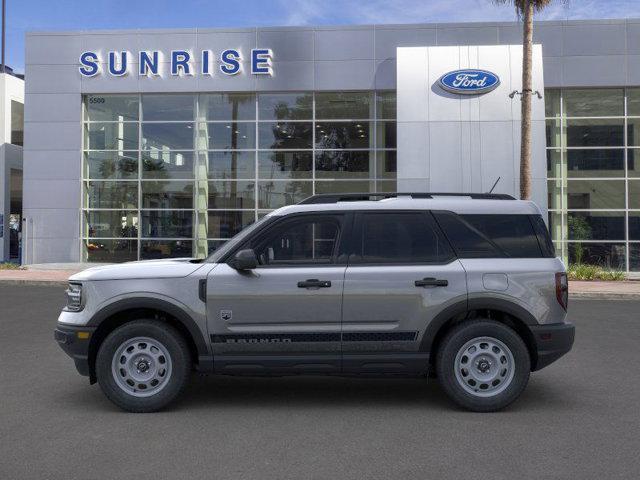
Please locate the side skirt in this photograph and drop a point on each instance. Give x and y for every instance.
(382, 364)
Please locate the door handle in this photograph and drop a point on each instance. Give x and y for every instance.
(314, 283)
(431, 282)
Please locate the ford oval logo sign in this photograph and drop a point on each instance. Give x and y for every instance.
(469, 81)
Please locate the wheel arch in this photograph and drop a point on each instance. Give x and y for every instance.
(503, 311)
(123, 311)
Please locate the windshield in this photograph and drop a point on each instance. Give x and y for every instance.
(236, 240)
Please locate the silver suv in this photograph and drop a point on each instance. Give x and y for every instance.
(465, 287)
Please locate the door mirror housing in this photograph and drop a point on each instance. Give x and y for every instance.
(244, 260)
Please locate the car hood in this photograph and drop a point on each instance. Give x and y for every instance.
(173, 268)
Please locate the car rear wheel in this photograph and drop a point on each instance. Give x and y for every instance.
(483, 365)
(143, 365)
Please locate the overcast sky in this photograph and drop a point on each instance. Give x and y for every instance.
(30, 15)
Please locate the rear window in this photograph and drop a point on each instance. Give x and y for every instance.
(487, 236)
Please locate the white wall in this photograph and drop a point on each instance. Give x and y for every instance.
(461, 143)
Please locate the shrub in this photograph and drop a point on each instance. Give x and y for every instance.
(593, 272)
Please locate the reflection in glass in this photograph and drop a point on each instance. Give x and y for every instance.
(595, 133)
(111, 165)
(122, 195)
(346, 105)
(231, 165)
(386, 136)
(227, 106)
(167, 223)
(227, 136)
(595, 194)
(231, 195)
(634, 225)
(552, 103)
(607, 255)
(634, 257)
(173, 107)
(554, 133)
(633, 162)
(633, 102)
(342, 164)
(167, 195)
(167, 136)
(285, 165)
(386, 186)
(276, 194)
(594, 102)
(213, 245)
(111, 108)
(595, 225)
(154, 249)
(554, 192)
(285, 106)
(386, 105)
(225, 224)
(109, 224)
(167, 164)
(111, 136)
(345, 187)
(634, 194)
(387, 163)
(110, 251)
(595, 163)
(285, 135)
(334, 135)
(633, 132)
(554, 163)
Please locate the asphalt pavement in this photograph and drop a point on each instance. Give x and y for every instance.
(578, 419)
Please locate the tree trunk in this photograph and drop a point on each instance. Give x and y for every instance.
(525, 145)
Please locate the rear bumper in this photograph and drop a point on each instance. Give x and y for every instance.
(75, 343)
(552, 342)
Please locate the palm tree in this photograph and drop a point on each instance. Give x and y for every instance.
(525, 10)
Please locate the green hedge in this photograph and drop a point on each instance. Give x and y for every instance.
(593, 272)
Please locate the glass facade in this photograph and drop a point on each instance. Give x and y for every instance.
(593, 170)
(176, 175)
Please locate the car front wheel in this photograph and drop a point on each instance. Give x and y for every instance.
(483, 365)
(143, 365)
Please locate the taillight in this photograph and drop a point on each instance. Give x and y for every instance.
(562, 289)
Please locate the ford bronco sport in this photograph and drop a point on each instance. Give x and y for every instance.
(465, 287)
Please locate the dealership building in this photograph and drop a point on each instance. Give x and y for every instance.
(143, 144)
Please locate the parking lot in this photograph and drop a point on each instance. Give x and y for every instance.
(579, 418)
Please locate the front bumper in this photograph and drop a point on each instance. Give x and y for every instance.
(75, 343)
(552, 342)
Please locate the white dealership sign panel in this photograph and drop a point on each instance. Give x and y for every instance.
(462, 142)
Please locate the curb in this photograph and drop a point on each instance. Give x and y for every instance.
(603, 296)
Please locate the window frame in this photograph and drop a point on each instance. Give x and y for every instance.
(429, 222)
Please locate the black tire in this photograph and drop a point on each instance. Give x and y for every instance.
(180, 358)
(456, 338)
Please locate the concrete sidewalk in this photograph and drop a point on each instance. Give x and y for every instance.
(58, 274)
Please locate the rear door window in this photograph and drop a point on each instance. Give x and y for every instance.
(399, 237)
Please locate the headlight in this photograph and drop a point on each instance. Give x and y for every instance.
(74, 297)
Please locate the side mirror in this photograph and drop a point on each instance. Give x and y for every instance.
(244, 260)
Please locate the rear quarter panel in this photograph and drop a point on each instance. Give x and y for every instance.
(527, 282)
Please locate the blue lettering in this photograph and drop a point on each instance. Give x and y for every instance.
(230, 62)
(149, 63)
(89, 62)
(113, 68)
(180, 62)
(261, 61)
(206, 56)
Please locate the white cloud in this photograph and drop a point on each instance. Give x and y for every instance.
(305, 12)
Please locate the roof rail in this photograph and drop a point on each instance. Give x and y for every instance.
(355, 197)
